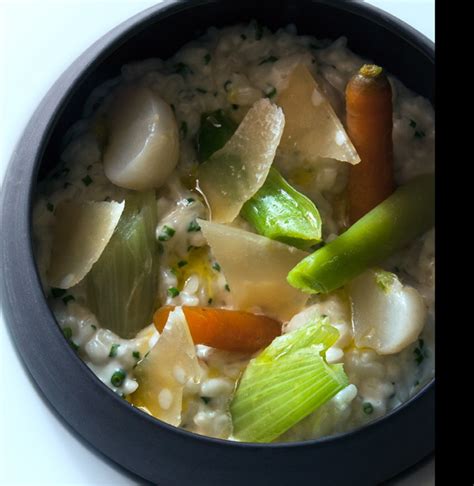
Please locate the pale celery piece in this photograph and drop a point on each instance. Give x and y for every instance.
(164, 372)
(255, 268)
(81, 232)
(233, 174)
(280, 212)
(312, 129)
(122, 285)
(386, 315)
(285, 383)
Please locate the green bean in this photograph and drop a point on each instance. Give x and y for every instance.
(396, 221)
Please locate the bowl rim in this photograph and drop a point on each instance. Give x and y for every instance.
(50, 109)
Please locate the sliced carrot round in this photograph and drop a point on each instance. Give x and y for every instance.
(225, 329)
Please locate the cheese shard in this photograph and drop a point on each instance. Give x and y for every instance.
(386, 315)
(81, 232)
(312, 128)
(233, 174)
(256, 268)
(164, 372)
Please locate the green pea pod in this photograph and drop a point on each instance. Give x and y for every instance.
(280, 212)
(403, 216)
(215, 130)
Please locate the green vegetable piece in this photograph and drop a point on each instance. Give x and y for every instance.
(215, 130)
(285, 383)
(118, 378)
(122, 285)
(280, 212)
(403, 216)
(113, 350)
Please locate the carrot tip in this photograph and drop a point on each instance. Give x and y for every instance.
(370, 70)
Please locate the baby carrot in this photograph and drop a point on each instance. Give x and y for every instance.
(225, 329)
(369, 125)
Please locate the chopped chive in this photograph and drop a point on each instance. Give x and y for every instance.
(73, 345)
(68, 298)
(183, 129)
(118, 378)
(173, 292)
(420, 134)
(226, 84)
(201, 90)
(167, 232)
(268, 59)
(243, 36)
(193, 226)
(207, 58)
(57, 292)
(136, 354)
(412, 123)
(206, 400)
(271, 92)
(227, 287)
(368, 408)
(94, 327)
(216, 266)
(87, 180)
(182, 263)
(67, 331)
(183, 69)
(189, 201)
(50, 207)
(209, 301)
(113, 350)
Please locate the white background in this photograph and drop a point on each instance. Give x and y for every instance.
(38, 40)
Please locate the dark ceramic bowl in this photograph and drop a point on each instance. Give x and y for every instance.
(148, 447)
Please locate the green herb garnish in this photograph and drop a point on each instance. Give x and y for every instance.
(67, 331)
(118, 378)
(216, 267)
(182, 263)
(50, 207)
(226, 286)
(136, 354)
(87, 180)
(413, 123)
(420, 134)
(206, 400)
(207, 58)
(173, 292)
(167, 232)
(183, 69)
(113, 350)
(68, 298)
(368, 408)
(193, 226)
(271, 92)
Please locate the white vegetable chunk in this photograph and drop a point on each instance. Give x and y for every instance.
(312, 128)
(81, 232)
(386, 316)
(238, 170)
(143, 146)
(256, 268)
(164, 372)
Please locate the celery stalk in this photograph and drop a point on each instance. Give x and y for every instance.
(280, 212)
(121, 288)
(403, 216)
(285, 383)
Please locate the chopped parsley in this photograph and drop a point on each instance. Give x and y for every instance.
(167, 232)
(206, 400)
(183, 69)
(193, 226)
(243, 36)
(50, 207)
(268, 59)
(68, 298)
(182, 263)
(227, 287)
(216, 266)
(368, 408)
(413, 123)
(227, 84)
(136, 354)
(113, 350)
(87, 180)
(270, 93)
(94, 327)
(420, 134)
(189, 201)
(118, 378)
(67, 331)
(57, 292)
(173, 292)
(183, 129)
(73, 345)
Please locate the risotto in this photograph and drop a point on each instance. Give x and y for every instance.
(239, 240)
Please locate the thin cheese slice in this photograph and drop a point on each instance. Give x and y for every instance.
(256, 268)
(312, 129)
(81, 232)
(162, 375)
(236, 172)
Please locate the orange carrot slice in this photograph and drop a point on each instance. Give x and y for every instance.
(369, 125)
(225, 329)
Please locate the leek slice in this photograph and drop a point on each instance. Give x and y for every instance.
(255, 268)
(121, 287)
(236, 172)
(285, 383)
(280, 212)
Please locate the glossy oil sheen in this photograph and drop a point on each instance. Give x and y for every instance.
(154, 450)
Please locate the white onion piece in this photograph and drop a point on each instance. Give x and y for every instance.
(143, 146)
(386, 316)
